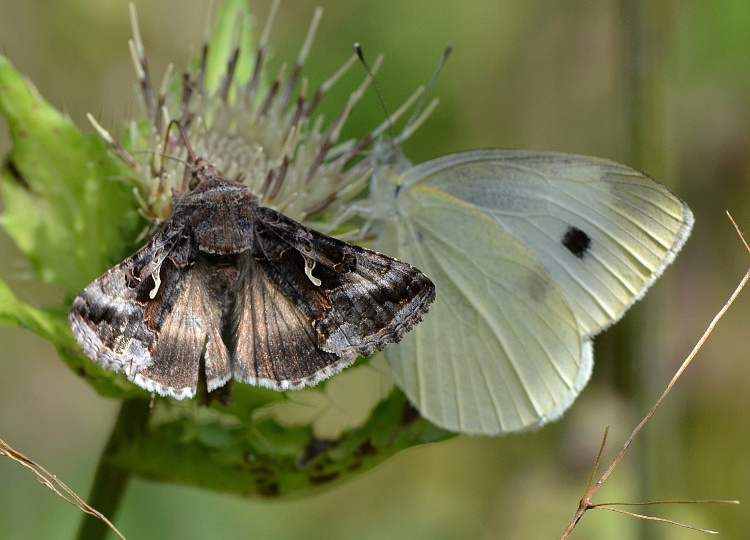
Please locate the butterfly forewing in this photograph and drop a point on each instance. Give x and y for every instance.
(604, 231)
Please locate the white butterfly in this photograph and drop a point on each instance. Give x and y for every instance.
(532, 255)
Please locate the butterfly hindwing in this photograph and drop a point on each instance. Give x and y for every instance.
(466, 365)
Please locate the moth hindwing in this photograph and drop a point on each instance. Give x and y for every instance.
(247, 293)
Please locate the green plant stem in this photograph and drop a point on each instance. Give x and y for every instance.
(110, 482)
(645, 30)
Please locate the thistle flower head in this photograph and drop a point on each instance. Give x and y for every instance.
(265, 135)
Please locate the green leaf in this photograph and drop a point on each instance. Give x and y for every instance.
(256, 457)
(66, 204)
(68, 209)
(13, 312)
(52, 325)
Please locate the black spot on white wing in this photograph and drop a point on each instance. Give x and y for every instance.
(576, 241)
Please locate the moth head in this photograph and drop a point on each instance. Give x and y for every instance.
(200, 170)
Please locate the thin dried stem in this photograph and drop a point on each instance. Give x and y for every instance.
(586, 503)
(653, 518)
(53, 483)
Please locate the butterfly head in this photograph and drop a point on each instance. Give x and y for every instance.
(387, 174)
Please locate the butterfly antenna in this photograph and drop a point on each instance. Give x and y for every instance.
(361, 55)
(420, 111)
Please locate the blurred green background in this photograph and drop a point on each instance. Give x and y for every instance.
(540, 75)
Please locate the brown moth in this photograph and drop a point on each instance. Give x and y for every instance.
(246, 292)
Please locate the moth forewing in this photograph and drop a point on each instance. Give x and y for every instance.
(359, 300)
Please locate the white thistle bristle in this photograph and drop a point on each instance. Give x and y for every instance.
(265, 135)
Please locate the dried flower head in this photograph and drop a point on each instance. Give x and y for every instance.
(264, 135)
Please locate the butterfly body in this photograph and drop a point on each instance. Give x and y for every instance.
(246, 292)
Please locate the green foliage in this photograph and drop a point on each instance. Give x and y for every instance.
(66, 205)
(222, 449)
(227, 36)
(66, 210)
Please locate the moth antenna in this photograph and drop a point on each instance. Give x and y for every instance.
(178, 160)
(188, 146)
(361, 55)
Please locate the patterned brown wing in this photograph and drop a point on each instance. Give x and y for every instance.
(108, 317)
(295, 306)
(358, 301)
(277, 346)
(191, 329)
(158, 329)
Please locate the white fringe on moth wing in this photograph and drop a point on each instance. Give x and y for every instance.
(218, 382)
(167, 391)
(138, 359)
(312, 380)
